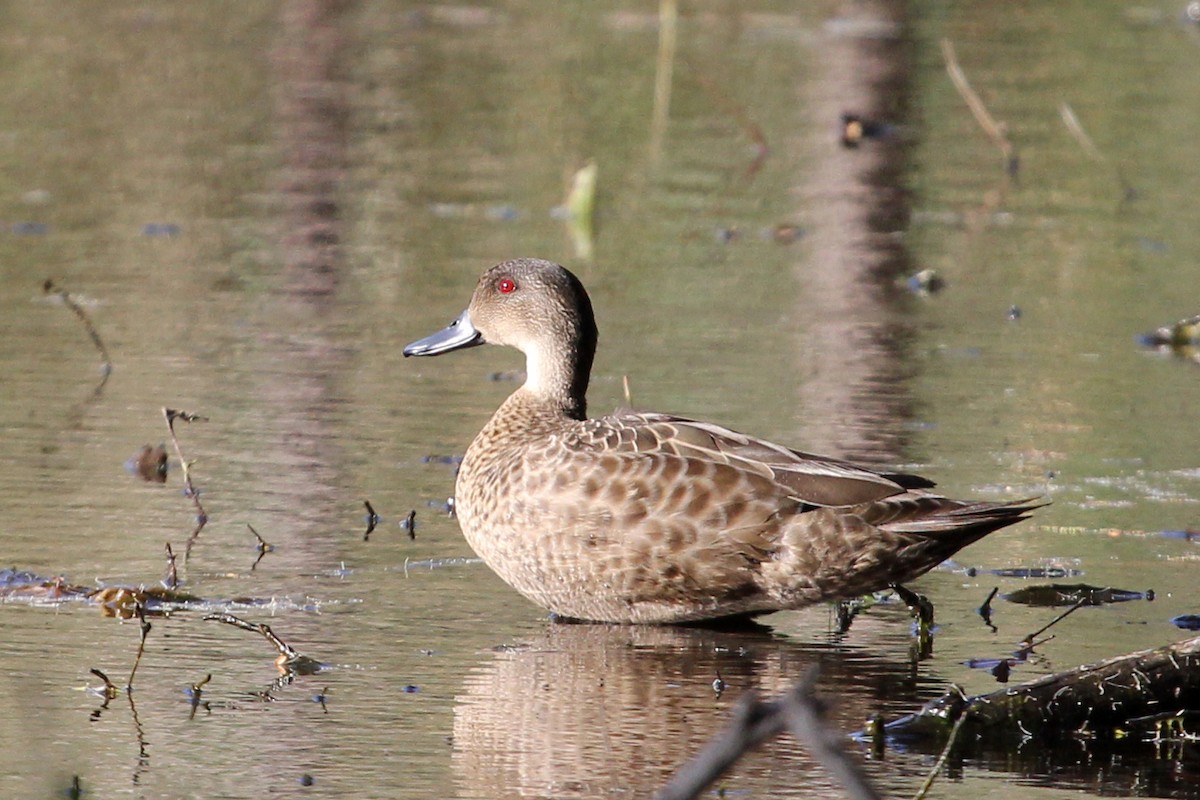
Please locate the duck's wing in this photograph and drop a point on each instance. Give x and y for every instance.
(811, 479)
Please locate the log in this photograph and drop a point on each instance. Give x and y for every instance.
(1106, 699)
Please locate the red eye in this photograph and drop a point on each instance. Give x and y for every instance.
(506, 286)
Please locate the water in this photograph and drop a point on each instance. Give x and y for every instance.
(258, 206)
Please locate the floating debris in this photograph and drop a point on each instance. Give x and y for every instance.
(1053, 572)
(985, 610)
(445, 506)
(726, 234)
(409, 524)
(927, 281)
(502, 213)
(195, 694)
(149, 464)
(1062, 594)
(30, 228)
(440, 459)
(1183, 334)
(1000, 668)
(161, 229)
(1189, 622)
(1014, 313)
(1187, 535)
(783, 233)
(372, 519)
(856, 128)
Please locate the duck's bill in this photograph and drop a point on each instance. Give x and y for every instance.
(455, 336)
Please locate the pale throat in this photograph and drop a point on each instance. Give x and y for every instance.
(548, 377)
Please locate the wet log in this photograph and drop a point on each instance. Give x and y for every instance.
(1115, 696)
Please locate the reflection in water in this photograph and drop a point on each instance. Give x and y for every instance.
(597, 710)
(851, 350)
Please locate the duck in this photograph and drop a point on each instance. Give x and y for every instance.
(650, 518)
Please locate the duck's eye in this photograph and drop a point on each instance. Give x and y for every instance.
(506, 286)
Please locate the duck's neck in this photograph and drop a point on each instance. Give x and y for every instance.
(555, 383)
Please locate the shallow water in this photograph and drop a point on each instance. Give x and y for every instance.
(257, 207)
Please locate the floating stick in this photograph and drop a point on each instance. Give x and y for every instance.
(290, 659)
(1028, 640)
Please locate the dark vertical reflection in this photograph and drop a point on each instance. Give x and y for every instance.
(311, 121)
(302, 362)
(852, 366)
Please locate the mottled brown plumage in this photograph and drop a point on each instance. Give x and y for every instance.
(651, 518)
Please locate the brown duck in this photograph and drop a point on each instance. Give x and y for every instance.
(650, 518)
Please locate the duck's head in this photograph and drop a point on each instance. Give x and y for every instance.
(541, 309)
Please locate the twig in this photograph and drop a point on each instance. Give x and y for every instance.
(171, 414)
(410, 524)
(290, 659)
(140, 611)
(197, 693)
(110, 688)
(264, 547)
(172, 579)
(753, 723)
(985, 610)
(1079, 604)
(373, 519)
(993, 129)
(49, 287)
(937, 766)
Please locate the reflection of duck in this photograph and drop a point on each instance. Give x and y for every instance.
(653, 518)
(613, 710)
